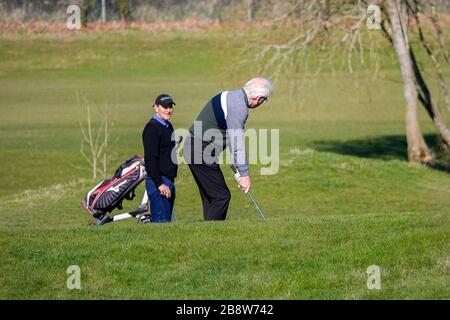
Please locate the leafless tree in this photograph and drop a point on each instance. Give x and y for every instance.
(418, 151)
(396, 21)
(95, 136)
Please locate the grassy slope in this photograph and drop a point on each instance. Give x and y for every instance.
(344, 197)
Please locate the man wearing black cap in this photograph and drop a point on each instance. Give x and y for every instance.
(161, 170)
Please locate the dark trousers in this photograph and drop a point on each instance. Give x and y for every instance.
(210, 181)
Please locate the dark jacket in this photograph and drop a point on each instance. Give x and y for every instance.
(158, 146)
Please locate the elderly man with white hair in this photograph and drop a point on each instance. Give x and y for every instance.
(220, 124)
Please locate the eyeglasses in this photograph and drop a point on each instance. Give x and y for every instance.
(264, 99)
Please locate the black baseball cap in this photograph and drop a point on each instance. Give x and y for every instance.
(164, 100)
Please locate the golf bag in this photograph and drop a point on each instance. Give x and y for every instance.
(110, 193)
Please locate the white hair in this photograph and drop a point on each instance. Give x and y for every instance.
(258, 87)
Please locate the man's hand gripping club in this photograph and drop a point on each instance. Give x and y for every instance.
(244, 182)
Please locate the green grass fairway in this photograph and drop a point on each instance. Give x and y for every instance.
(344, 198)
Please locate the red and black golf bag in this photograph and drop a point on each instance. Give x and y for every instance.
(109, 194)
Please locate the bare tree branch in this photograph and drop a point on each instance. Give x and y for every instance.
(437, 27)
(95, 137)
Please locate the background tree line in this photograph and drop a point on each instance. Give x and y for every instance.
(173, 10)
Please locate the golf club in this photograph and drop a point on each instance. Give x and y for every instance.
(235, 170)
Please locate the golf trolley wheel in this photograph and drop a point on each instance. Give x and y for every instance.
(103, 219)
(143, 218)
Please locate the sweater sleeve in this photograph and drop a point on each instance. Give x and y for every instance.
(150, 138)
(236, 118)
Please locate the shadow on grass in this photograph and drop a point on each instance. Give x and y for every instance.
(390, 147)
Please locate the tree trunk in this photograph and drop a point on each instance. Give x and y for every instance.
(249, 10)
(425, 95)
(418, 151)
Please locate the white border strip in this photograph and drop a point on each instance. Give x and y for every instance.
(223, 103)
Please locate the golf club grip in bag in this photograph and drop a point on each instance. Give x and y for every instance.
(109, 193)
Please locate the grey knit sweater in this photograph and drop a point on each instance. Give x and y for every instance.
(227, 113)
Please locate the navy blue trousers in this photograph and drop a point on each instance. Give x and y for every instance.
(160, 207)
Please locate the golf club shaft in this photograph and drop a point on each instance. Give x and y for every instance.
(235, 170)
(256, 205)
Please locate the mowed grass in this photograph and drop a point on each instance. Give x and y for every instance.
(344, 197)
